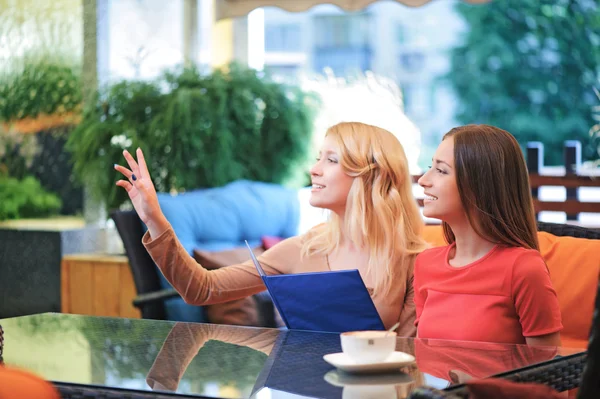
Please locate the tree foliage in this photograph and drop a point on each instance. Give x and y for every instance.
(528, 66)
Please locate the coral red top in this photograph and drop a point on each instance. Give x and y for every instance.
(503, 297)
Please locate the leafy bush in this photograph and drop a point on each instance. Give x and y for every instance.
(25, 199)
(595, 130)
(33, 90)
(197, 131)
(40, 88)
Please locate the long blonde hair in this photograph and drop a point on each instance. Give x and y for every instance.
(381, 212)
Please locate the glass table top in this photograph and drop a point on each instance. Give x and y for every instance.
(218, 361)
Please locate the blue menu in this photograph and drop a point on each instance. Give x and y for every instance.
(336, 301)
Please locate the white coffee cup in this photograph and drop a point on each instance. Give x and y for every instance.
(368, 346)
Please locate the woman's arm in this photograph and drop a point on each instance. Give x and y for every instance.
(186, 339)
(552, 339)
(198, 286)
(535, 300)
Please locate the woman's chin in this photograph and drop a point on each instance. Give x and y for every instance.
(314, 202)
(430, 213)
(318, 204)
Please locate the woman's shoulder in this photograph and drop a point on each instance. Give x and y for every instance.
(525, 261)
(518, 254)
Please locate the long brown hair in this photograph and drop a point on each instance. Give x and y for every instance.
(493, 183)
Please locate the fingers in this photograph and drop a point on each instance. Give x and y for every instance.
(132, 163)
(125, 184)
(142, 161)
(124, 171)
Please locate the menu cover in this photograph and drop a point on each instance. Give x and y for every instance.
(336, 301)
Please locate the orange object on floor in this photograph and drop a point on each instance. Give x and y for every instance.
(21, 384)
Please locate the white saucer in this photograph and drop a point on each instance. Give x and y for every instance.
(393, 362)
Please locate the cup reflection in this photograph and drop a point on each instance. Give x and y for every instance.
(367, 386)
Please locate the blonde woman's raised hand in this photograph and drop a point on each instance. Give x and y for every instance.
(142, 193)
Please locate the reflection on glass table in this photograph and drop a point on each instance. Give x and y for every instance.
(217, 361)
(453, 362)
(388, 385)
(206, 345)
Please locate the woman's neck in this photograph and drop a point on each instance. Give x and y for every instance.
(469, 247)
(345, 244)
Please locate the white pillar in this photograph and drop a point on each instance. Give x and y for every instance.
(190, 32)
(95, 69)
(256, 39)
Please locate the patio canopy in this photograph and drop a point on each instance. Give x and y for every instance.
(238, 8)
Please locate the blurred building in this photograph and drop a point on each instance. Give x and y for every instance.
(409, 45)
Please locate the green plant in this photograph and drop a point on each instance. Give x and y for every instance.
(526, 66)
(40, 88)
(25, 198)
(197, 131)
(595, 130)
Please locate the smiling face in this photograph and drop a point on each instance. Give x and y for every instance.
(442, 199)
(330, 184)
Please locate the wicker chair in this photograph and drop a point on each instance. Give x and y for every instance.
(561, 376)
(590, 383)
(562, 230)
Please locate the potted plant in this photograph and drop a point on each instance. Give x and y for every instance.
(198, 130)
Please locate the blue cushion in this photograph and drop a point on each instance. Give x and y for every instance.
(222, 218)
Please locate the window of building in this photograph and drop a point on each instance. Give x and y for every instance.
(283, 38)
(349, 30)
(412, 61)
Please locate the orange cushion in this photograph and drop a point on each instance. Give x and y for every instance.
(574, 267)
(434, 235)
(15, 383)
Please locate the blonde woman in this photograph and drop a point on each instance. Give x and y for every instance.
(361, 175)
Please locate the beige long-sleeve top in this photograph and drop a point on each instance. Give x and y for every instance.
(199, 286)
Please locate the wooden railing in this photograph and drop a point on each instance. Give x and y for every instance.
(572, 206)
